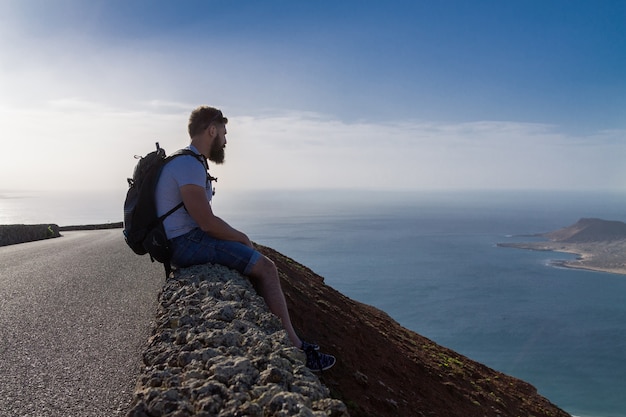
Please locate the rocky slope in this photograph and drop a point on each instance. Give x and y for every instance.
(215, 351)
(385, 369)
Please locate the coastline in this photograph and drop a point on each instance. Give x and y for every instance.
(608, 257)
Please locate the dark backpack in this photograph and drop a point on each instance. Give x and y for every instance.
(143, 228)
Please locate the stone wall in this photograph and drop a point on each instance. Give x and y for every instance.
(216, 350)
(20, 233)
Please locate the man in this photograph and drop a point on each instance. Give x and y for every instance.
(197, 236)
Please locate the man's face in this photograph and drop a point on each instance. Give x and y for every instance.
(217, 154)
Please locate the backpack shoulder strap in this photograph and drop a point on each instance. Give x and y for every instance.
(199, 157)
(189, 152)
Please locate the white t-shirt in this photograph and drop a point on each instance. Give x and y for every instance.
(182, 170)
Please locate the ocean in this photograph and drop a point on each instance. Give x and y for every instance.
(430, 260)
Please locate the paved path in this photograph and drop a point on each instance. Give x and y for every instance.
(75, 315)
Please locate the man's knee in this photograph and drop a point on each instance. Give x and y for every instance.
(264, 267)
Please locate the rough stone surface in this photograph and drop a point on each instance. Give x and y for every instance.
(216, 350)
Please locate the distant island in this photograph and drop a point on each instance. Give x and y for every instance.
(599, 244)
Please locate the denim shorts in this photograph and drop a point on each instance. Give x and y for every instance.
(197, 247)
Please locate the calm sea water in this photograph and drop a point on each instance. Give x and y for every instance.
(430, 260)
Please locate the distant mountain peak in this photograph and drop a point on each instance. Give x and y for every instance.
(589, 230)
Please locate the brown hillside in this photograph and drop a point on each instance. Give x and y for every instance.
(589, 230)
(384, 369)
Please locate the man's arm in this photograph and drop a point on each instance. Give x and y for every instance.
(199, 209)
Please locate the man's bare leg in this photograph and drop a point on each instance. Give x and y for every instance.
(267, 283)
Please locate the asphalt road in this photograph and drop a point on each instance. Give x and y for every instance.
(75, 316)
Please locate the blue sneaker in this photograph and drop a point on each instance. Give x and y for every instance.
(317, 361)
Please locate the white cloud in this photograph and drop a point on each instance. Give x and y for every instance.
(301, 152)
(77, 145)
(73, 144)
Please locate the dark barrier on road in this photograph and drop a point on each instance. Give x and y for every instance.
(20, 233)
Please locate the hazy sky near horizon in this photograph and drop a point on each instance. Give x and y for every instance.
(351, 94)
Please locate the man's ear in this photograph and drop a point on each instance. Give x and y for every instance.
(212, 131)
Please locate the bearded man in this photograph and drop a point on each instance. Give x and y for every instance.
(197, 236)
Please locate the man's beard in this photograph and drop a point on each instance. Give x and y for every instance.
(217, 153)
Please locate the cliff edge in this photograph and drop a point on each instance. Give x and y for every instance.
(217, 351)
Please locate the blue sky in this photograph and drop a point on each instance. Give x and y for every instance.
(347, 94)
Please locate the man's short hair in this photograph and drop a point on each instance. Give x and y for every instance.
(202, 117)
